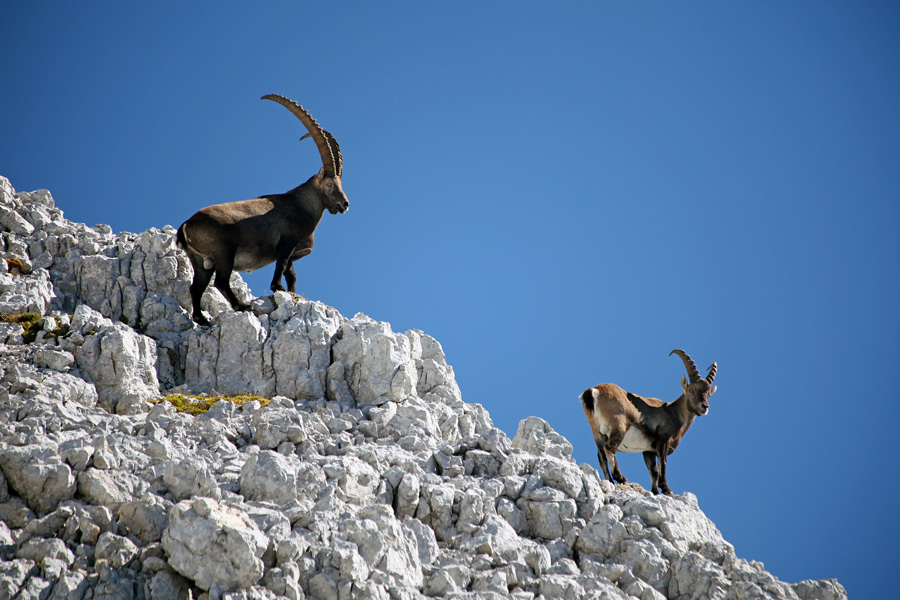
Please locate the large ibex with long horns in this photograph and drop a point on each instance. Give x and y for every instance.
(625, 422)
(279, 228)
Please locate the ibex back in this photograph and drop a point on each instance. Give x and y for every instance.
(279, 228)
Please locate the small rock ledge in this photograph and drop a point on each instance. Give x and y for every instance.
(365, 478)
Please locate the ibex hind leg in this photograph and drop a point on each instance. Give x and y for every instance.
(611, 449)
(607, 457)
(601, 457)
(600, 440)
(202, 276)
(616, 473)
(224, 268)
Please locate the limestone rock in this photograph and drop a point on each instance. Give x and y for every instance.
(537, 437)
(12, 221)
(377, 363)
(26, 292)
(145, 518)
(120, 362)
(186, 479)
(270, 476)
(214, 545)
(37, 475)
(116, 550)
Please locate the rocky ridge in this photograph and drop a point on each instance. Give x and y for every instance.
(365, 477)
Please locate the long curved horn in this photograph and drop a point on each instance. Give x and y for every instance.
(693, 373)
(336, 150)
(712, 373)
(315, 131)
(336, 153)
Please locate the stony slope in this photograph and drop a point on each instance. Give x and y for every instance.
(365, 477)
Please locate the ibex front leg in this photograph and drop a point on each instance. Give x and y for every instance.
(284, 265)
(650, 461)
(281, 266)
(663, 454)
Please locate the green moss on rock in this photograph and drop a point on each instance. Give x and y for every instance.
(197, 405)
(30, 322)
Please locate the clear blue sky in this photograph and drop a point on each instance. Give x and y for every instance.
(560, 193)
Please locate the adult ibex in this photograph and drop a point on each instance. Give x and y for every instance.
(279, 228)
(626, 422)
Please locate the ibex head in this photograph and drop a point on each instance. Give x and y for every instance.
(328, 180)
(696, 390)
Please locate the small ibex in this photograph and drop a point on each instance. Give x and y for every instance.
(279, 228)
(626, 422)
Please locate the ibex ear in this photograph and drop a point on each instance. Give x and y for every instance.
(712, 390)
(684, 383)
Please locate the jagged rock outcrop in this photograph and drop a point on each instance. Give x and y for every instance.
(365, 477)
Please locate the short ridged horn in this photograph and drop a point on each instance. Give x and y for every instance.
(712, 373)
(693, 373)
(321, 137)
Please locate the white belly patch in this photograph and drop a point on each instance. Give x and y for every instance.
(635, 441)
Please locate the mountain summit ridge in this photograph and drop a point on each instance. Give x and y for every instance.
(366, 476)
